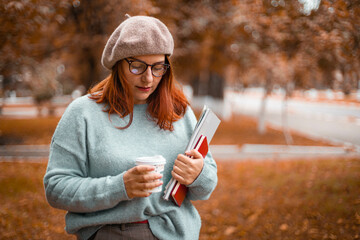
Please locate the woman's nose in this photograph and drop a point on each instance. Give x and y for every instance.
(147, 75)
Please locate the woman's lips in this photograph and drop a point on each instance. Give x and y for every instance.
(144, 89)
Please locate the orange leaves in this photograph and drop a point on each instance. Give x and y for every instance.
(229, 230)
(253, 201)
(357, 217)
(27, 131)
(24, 213)
(267, 200)
(283, 227)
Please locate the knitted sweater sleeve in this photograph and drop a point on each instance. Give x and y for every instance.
(67, 184)
(206, 182)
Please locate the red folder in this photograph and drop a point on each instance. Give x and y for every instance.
(202, 146)
(178, 193)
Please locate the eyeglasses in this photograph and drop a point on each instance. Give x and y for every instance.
(138, 67)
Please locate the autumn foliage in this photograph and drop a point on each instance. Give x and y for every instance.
(296, 199)
(284, 200)
(49, 47)
(253, 200)
(273, 43)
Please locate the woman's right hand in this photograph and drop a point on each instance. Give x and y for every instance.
(140, 179)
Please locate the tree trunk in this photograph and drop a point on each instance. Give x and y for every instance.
(284, 118)
(2, 94)
(261, 121)
(2, 103)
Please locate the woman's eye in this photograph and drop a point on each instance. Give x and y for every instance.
(158, 67)
(137, 64)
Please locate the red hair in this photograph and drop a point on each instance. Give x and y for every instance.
(166, 104)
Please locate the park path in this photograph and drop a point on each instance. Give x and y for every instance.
(337, 123)
(32, 153)
(256, 152)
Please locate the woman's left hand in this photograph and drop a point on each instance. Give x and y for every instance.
(188, 167)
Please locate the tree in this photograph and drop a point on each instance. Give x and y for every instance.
(209, 37)
(36, 31)
(26, 37)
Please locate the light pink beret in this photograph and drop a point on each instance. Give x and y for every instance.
(138, 35)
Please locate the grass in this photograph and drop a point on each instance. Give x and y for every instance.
(27, 131)
(24, 212)
(238, 130)
(316, 199)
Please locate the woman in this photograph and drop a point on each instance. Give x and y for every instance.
(136, 111)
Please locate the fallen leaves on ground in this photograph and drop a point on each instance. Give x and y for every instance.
(284, 200)
(238, 130)
(253, 200)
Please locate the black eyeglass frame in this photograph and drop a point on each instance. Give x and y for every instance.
(166, 65)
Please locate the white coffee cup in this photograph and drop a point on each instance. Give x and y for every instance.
(158, 161)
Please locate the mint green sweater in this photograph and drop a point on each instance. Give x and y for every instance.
(89, 155)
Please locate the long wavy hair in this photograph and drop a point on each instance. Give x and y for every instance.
(166, 104)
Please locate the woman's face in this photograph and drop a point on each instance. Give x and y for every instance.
(142, 85)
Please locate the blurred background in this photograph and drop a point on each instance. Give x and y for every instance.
(235, 56)
(284, 77)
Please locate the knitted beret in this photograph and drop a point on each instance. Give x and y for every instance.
(136, 36)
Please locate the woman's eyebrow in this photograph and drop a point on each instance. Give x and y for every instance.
(132, 58)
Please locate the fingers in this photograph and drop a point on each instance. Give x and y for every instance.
(142, 189)
(140, 179)
(143, 169)
(151, 185)
(148, 177)
(144, 173)
(194, 154)
(187, 168)
(179, 177)
(183, 176)
(138, 193)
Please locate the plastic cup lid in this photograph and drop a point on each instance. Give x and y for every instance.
(154, 160)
